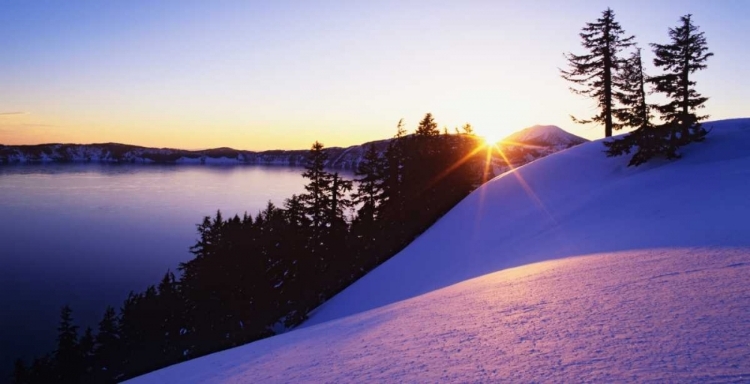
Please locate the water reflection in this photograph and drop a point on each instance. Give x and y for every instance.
(87, 234)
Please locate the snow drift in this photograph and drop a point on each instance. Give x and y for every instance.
(663, 294)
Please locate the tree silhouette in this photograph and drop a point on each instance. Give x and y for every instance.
(251, 277)
(67, 356)
(428, 126)
(631, 94)
(592, 73)
(686, 54)
(316, 198)
(369, 184)
(107, 347)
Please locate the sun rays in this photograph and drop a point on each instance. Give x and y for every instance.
(493, 149)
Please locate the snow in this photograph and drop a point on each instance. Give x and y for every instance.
(574, 202)
(658, 315)
(643, 277)
(550, 135)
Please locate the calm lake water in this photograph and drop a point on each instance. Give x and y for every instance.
(87, 234)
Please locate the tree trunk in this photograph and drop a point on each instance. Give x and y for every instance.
(607, 84)
(686, 85)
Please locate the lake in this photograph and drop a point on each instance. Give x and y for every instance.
(87, 234)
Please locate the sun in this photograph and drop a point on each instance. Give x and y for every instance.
(492, 137)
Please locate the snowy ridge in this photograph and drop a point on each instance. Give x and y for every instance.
(662, 295)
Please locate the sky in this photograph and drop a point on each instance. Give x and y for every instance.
(282, 74)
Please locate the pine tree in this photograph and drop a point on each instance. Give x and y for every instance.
(107, 346)
(316, 198)
(592, 73)
(369, 184)
(631, 94)
(170, 310)
(686, 54)
(294, 211)
(86, 349)
(634, 113)
(428, 126)
(467, 129)
(67, 355)
(338, 200)
(393, 172)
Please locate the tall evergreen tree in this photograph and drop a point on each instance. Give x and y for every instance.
(294, 210)
(339, 201)
(634, 111)
(393, 172)
(369, 184)
(67, 355)
(316, 199)
(686, 54)
(107, 347)
(86, 350)
(468, 129)
(428, 126)
(592, 73)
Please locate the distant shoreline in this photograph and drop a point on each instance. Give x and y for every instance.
(115, 153)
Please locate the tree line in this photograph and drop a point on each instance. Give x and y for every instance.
(619, 87)
(254, 276)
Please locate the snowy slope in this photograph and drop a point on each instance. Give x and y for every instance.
(675, 315)
(672, 304)
(574, 202)
(544, 135)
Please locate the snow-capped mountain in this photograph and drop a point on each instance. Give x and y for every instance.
(544, 135)
(534, 143)
(571, 268)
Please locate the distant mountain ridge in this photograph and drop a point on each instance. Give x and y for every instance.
(344, 158)
(520, 148)
(545, 135)
(536, 142)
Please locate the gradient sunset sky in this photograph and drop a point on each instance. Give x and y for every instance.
(277, 74)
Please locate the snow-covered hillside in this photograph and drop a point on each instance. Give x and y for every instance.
(673, 315)
(662, 294)
(574, 202)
